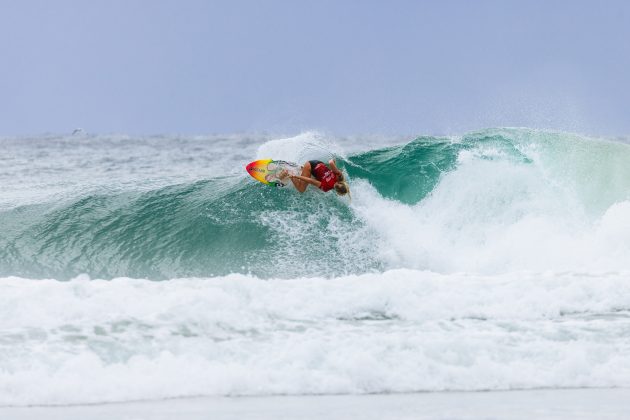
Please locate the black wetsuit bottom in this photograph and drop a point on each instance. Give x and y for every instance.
(314, 163)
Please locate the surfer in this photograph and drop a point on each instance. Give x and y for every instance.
(326, 178)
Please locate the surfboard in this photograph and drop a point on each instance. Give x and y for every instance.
(267, 171)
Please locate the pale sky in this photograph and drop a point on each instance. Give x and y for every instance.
(346, 67)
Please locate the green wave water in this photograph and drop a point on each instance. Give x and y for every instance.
(232, 224)
(206, 228)
(407, 173)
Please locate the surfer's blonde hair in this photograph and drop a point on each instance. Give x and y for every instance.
(342, 188)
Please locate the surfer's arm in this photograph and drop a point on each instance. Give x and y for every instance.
(307, 179)
(334, 168)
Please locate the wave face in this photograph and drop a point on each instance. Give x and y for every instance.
(492, 201)
(148, 268)
(205, 228)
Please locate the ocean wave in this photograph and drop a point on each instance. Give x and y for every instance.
(497, 260)
(491, 201)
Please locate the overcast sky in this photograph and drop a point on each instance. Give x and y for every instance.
(391, 67)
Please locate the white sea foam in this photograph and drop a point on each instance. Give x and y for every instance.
(402, 330)
(495, 217)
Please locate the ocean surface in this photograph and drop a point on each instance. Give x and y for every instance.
(137, 268)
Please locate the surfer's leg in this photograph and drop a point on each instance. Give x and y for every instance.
(298, 183)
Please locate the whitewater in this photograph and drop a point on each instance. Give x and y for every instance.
(146, 268)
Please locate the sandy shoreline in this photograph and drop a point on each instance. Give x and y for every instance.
(539, 404)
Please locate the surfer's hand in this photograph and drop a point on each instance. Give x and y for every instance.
(283, 174)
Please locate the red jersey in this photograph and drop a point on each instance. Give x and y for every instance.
(324, 175)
